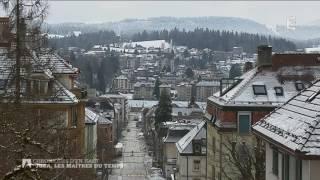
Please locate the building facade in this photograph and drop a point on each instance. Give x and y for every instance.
(291, 136)
(184, 91)
(191, 160)
(205, 89)
(143, 90)
(231, 112)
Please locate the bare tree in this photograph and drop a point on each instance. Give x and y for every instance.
(28, 128)
(243, 158)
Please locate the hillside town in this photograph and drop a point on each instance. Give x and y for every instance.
(155, 109)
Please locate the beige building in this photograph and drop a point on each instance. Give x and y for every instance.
(205, 89)
(143, 90)
(231, 112)
(120, 110)
(121, 84)
(184, 91)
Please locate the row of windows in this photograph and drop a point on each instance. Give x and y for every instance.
(262, 90)
(286, 170)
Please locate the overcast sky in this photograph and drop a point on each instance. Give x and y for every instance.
(267, 12)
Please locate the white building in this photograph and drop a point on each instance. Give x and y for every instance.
(292, 137)
(192, 159)
(174, 134)
(122, 84)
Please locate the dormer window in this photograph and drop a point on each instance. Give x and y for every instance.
(299, 86)
(279, 91)
(197, 148)
(259, 89)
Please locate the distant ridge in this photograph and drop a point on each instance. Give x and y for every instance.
(129, 26)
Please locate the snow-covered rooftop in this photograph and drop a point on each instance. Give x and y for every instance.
(151, 103)
(47, 64)
(175, 133)
(296, 124)
(243, 94)
(208, 83)
(184, 145)
(148, 44)
(92, 117)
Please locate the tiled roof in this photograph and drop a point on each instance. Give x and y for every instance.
(60, 95)
(296, 124)
(57, 64)
(49, 62)
(45, 64)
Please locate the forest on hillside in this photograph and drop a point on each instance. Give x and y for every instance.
(96, 72)
(199, 38)
(216, 40)
(85, 40)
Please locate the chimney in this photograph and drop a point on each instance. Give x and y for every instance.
(4, 32)
(264, 56)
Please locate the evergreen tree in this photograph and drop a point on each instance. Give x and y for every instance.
(189, 73)
(136, 52)
(192, 102)
(201, 38)
(164, 109)
(156, 90)
(101, 79)
(186, 53)
(235, 71)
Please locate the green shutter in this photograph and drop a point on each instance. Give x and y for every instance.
(244, 124)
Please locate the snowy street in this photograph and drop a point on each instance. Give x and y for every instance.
(134, 157)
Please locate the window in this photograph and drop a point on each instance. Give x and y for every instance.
(298, 169)
(74, 118)
(213, 172)
(259, 89)
(285, 167)
(279, 91)
(196, 165)
(214, 144)
(2, 84)
(36, 87)
(244, 122)
(275, 163)
(299, 86)
(197, 148)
